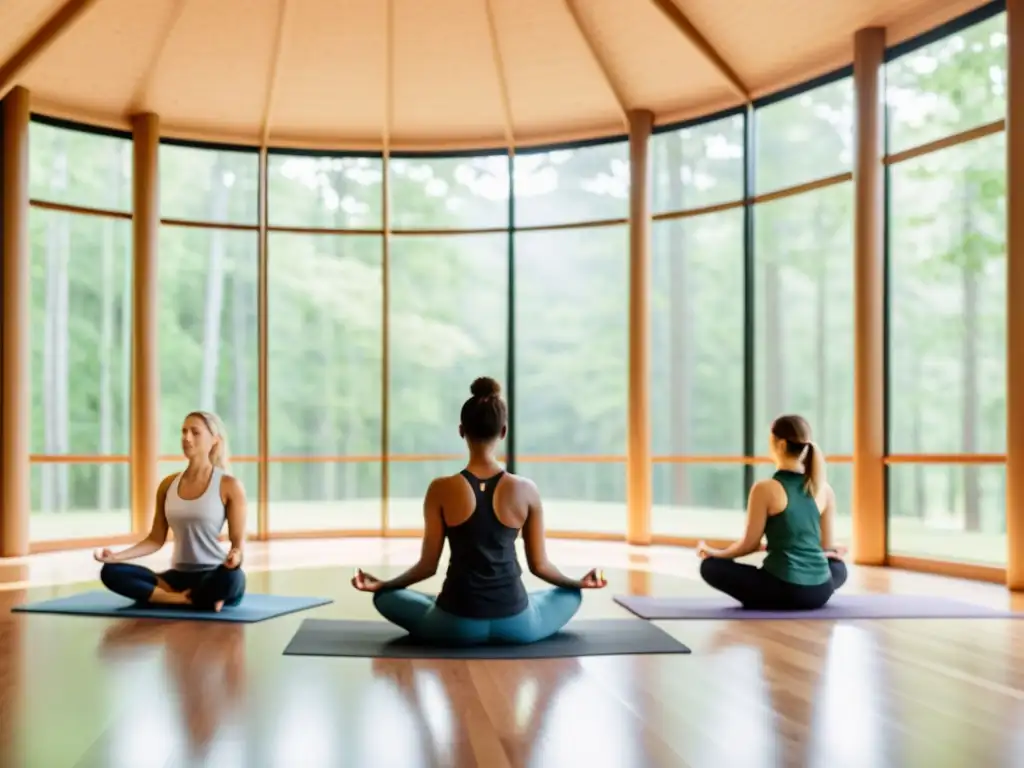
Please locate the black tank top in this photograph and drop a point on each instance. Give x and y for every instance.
(484, 579)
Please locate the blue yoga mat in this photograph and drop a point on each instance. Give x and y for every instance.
(254, 607)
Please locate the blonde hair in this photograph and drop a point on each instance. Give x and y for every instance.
(219, 454)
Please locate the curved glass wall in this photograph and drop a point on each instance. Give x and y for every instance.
(325, 342)
(381, 312)
(81, 310)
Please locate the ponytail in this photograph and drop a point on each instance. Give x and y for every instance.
(814, 469)
(220, 456)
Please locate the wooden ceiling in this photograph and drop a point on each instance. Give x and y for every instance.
(425, 74)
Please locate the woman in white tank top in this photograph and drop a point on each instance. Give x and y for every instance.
(194, 504)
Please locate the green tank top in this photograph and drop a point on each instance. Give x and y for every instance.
(794, 536)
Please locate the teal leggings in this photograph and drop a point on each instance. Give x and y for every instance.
(547, 612)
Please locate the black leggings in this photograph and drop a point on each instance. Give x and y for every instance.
(757, 589)
(136, 582)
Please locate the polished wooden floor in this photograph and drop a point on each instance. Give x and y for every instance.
(95, 692)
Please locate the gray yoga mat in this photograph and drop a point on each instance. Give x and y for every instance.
(378, 639)
(883, 606)
(253, 607)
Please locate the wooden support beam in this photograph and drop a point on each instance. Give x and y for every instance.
(1015, 296)
(15, 322)
(869, 497)
(618, 92)
(59, 22)
(263, 356)
(145, 403)
(698, 41)
(638, 448)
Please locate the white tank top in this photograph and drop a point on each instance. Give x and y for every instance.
(196, 524)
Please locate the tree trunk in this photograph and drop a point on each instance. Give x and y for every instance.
(54, 390)
(680, 335)
(819, 268)
(970, 265)
(241, 340)
(214, 291)
(775, 395)
(62, 371)
(108, 257)
(126, 359)
(917, 437)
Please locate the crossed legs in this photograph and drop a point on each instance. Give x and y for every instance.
(547, 612)
(758, 590)
(208, 590)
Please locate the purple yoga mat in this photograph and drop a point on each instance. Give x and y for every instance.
(839, 607)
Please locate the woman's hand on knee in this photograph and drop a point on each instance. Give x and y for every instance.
(593, 580)
(365, 582)
(104, 556)
(234, 559)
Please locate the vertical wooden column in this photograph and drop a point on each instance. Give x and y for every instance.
(15, 322)
(1015, 296)
(145, 441)
(263, 365)
(385, 343)
(638, 448)
(869, 497)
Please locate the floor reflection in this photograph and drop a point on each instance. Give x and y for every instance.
(202, 682)
(482, 714)
(816, 708)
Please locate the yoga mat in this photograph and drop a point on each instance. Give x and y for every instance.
(378, 639)
(881, 606)
(253, 608)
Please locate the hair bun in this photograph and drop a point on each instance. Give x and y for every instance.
(485, 386)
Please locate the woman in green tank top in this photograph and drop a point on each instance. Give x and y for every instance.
(794, 512)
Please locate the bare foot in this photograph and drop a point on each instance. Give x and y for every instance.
(165, 597)
(217, 606)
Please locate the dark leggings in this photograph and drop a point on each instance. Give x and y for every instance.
(757, 589)
(546, 613)
(136, 582)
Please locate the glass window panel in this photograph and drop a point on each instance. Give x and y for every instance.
(219, 186)
(569, 186)
(572, 362)
(408, 478)
(325, 294)
(325, 495)
(79, 501)
(448, 325)
(325, 350)
(952, 85)
(81, 312)
(948, 512)
(208, 333)
(698, 500)
(449, 192)
(698, 166)
(80, 168)
(804, 137)
(697, 335)
(579, 496)
(804, 314)
(947, 337)
(324, 192)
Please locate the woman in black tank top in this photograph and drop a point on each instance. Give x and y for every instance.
(483, 598)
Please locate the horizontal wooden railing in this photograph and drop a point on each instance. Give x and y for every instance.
(597, 458)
